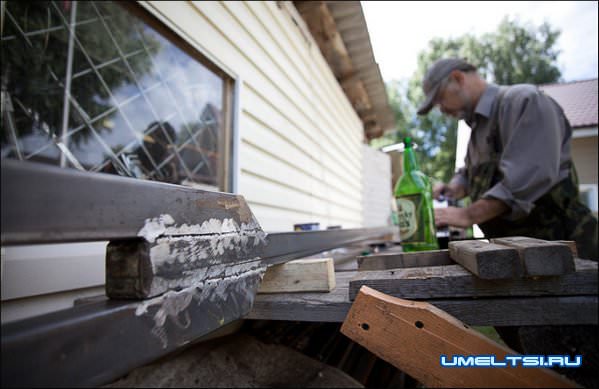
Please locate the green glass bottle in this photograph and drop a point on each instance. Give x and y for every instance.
(414, 197)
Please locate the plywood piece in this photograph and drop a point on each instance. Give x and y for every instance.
(301, 275)
(402, 260)
(540, 257)
(487, 260)
(412, 336)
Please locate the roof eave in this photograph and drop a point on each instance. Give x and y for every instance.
(339, 28)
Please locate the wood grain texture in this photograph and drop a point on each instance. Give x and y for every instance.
(486, 260)
(412, 336)
(333, 307)
(312, 306)
(301, 275)
(540, 257)
(385, 261)
(454, 281)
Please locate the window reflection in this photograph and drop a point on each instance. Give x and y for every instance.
(137, 104)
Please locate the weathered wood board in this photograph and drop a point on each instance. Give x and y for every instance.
(402, 260)
(413, 336)
(453, 281)
(502, 311)
(486, 260)
(540, 257)
(300, 275)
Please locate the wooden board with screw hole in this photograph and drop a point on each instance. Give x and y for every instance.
(412, 336)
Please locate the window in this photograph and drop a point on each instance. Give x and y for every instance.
(106, 88)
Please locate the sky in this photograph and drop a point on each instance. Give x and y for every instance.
(400, 29)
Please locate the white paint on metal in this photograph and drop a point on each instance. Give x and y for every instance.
(173, 304)
(155, 227)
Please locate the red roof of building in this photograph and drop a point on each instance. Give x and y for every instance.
(578, 99)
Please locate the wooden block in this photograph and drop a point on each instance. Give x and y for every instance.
(301, 275)
(412, 336)
(540, 257)
(392, 261)
(571, 244)
(453, 281)
(486, 260)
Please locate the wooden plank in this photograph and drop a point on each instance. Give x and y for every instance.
(571, 244)
(333, 307)
(402, 260)
(453, 281)
(523, 311)
(320, 307)
(486, 260)
(540, 257)
(301, 275)
(412, 336)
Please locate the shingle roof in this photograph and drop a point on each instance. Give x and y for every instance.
(578, 99)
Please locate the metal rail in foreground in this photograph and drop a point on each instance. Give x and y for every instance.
(95, 343)
(92, 344)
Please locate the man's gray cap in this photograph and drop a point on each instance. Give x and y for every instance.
(437, 73)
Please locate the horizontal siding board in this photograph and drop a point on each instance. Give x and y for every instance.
(331, 99)
(260, 108)
(260, 162)
(319, 69)
(298, 105)
(334, 95)
(282, 220)
(264, 190)
(259, 133)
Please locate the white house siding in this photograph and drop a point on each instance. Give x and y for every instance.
(584, 154)
(300, 147)
(376, 181)
(300, 154)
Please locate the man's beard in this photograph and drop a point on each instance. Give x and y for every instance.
(466, 113)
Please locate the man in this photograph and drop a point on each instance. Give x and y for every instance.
(519, 173)
(522, 182)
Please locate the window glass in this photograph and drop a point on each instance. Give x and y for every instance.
(90, 85)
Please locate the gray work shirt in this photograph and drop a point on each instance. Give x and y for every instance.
(535, 139)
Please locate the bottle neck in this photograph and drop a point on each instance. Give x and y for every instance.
(409, 160)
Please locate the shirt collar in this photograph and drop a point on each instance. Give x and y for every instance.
(486, 101)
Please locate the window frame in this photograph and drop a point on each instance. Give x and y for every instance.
(227, 153)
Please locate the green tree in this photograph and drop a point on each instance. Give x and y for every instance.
(514, 53)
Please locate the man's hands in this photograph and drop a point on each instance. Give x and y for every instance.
(451, 190)
(452, 216)
(479, 212)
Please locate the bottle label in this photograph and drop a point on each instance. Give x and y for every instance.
(409, 220)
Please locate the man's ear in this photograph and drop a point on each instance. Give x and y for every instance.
(458, 76)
